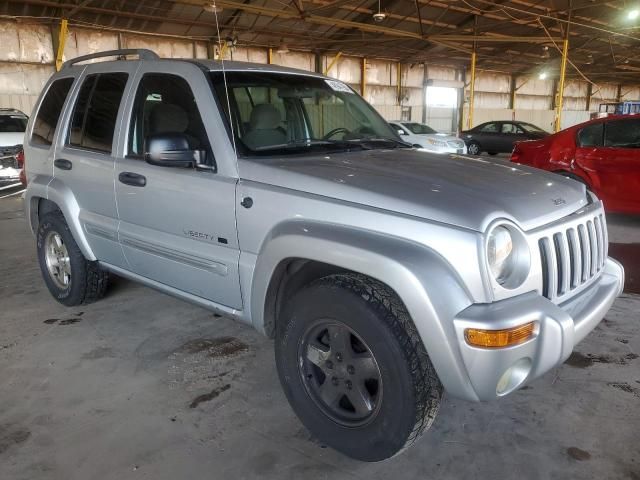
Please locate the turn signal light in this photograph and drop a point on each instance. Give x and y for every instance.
(499, 338)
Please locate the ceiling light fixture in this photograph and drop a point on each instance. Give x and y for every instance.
(211, 7)
(542, 76)
(633, 14)
(379, 16)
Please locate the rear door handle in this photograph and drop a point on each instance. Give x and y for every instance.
(133, 179)
(62, 164)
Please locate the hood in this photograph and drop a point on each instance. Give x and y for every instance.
(458, 190)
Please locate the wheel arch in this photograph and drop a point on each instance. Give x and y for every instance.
(301, 251)
(45, 195)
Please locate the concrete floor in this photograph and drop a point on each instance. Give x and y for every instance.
(141, 385)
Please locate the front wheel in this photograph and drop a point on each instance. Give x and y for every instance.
(69, 276)
(354, 369)
(474, 148)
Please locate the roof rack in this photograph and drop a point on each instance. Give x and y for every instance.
(142, 53)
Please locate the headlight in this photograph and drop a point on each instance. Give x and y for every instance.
(436, 143)
(508, 256)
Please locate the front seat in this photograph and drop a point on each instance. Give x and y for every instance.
(170, 118)
(264, 127)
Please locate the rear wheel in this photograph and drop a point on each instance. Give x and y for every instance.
(353, 367)
(474, 148)
(69, 276)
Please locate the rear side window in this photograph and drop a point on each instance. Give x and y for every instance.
(44, 126)
(591, 135)
(623, 133)
(93, 122)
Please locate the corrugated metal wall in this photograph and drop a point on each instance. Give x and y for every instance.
(27, 61)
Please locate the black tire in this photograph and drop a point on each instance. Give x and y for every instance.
(474, 148)
(409, 393)
(87, 282)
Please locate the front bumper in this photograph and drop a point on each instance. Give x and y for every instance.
(497, 372)
(433, 149)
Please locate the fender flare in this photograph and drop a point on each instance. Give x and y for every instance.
(57, 192)
(431, 290)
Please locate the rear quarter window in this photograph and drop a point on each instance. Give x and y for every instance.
(46, 121)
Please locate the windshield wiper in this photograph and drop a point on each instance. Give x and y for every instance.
(396, 143)
(310, 142)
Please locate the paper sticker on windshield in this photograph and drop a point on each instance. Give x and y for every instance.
(338, 86)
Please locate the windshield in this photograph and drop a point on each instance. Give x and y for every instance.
(419, 128)
(12, 124)
(280, 114)
(530, 127)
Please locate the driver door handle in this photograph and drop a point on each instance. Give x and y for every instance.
(133, 179)
(62, 164)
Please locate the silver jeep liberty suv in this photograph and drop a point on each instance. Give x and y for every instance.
(280, 198)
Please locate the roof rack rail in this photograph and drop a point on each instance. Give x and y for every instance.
(142, 53)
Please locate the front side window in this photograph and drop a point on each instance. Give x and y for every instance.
(93, 122)
(591, 135)
(275, 113)
(530, 127)
(46, 121)
(622, 133)
(489, 128)
(420, 128)
(165, 104)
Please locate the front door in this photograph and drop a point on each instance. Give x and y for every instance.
(177, 225)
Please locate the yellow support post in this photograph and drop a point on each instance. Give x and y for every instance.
(332, 63)
(472, 87)
(62, 39)
(270, 56)
(563, 71)
(363, 76)
(223, 50)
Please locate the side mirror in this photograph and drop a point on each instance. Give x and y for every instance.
(171, 150)
(401, 132)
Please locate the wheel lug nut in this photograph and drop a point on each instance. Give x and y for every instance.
(329, 364)
(339, 357)
(335, 381)
(351, 370)
(348, 384)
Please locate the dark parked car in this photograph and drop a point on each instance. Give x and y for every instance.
(499, 137)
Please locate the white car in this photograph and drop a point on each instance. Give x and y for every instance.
(12, 126)
(419, 134)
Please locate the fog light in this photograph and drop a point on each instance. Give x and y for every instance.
(514, 376)
(499, 338)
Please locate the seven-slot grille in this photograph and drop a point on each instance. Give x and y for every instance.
(573, 256)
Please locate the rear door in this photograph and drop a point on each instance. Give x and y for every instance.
(84, 160)
(488, 135)
(511, 133)
(177, 225)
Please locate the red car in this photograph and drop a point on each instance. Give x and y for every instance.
(603, 153)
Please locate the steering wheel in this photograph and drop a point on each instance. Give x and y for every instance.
(335, 131)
